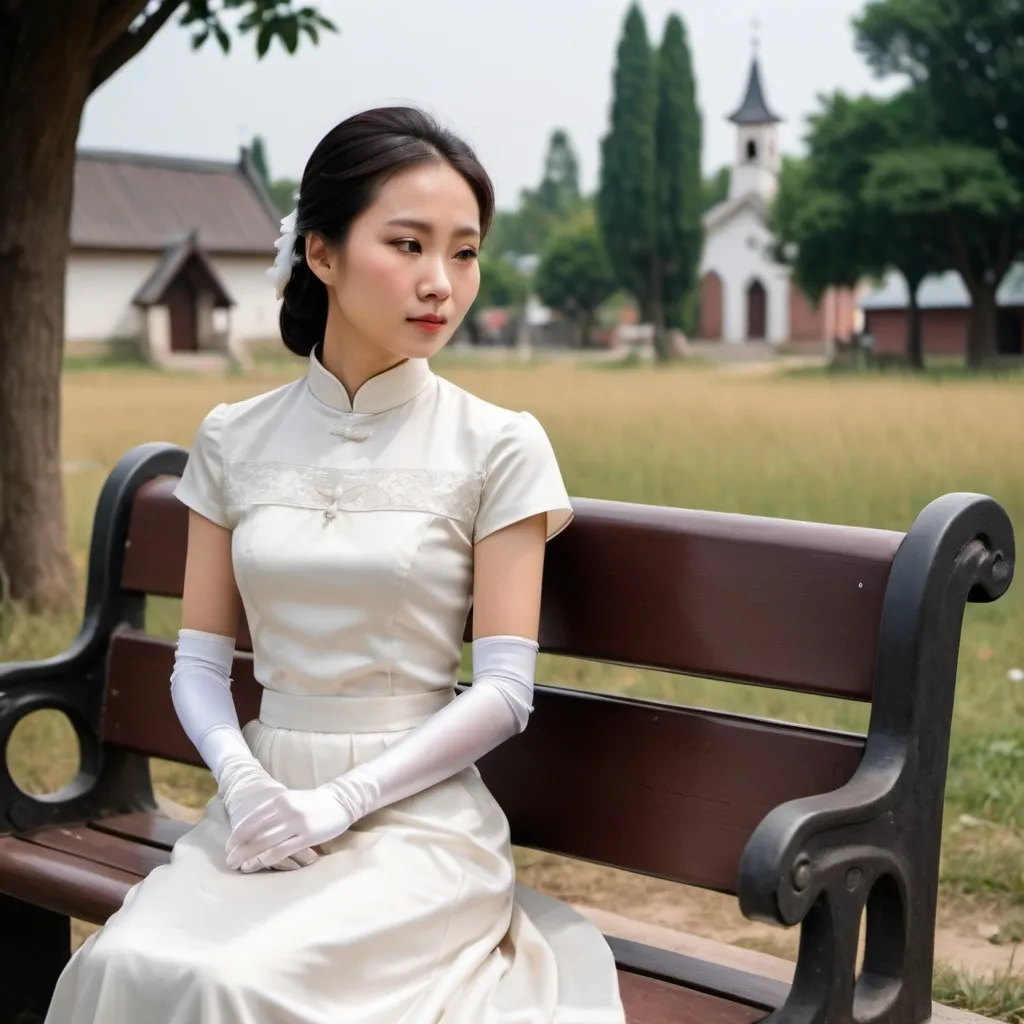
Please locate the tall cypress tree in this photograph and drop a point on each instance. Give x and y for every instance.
(625, 199)
(678, 182)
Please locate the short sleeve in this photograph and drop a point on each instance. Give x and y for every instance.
(522, 480)
(201, 486)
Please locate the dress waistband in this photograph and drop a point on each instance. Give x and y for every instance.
(338, 713)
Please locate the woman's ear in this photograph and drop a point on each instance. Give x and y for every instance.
(319, 256)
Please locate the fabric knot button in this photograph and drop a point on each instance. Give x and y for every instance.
(332, 509)
(355, 434)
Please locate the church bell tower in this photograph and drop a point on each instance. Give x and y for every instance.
(758, 161)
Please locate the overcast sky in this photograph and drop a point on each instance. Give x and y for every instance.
(504, 73)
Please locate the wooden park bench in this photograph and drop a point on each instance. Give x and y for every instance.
(808, 827)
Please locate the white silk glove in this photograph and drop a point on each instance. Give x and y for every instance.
(495, 708)
(201, 694)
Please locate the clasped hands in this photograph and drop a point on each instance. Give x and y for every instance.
(273, 827)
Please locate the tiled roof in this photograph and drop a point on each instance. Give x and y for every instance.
(136, 201)
(153, 290)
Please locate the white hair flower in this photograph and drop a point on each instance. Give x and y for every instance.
(281, 271)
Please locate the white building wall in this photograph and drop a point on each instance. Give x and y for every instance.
(737, 250)
(760, 174)
(254, 317)
(98, 296)
(100, 287)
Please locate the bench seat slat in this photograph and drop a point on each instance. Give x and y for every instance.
(152, 829)
(662, 790)
(61, 882)
(100, 848)
(649, 1001)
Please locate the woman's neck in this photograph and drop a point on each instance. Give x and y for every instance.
(351, 359)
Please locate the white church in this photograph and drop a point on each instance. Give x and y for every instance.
(745, 295)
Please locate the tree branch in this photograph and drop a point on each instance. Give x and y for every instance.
(1005, 252)
(129, 43)
(961, 257)
(112, 20)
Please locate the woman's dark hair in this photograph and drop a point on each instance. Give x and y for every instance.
(341, 180)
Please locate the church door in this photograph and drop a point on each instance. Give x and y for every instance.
(757, 312)
(711, 296)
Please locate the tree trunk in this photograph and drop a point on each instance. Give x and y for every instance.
(662, 349)
(586, 328)
(45, 71)
(915, 341)
(982, 339)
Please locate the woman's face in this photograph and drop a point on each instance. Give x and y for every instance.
(408, 272)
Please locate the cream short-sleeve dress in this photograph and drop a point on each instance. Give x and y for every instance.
(353, 526)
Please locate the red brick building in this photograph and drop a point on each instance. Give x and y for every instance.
(944, 302)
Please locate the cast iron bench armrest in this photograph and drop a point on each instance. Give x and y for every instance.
(107, 782)
(875, 841)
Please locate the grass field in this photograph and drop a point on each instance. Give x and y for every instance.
(867, 451)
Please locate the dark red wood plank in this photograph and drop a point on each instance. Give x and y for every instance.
(61, 882)
(138, 713)
(154, 561)
(786, 604)
(100, 848)
(152, 829)
(669, 791)
(650, 1001)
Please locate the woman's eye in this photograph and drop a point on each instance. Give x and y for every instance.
(407, 245)
(466, 254)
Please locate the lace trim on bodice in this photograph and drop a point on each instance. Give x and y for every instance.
(449, 493)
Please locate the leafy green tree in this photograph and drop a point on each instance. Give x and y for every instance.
(834, 225)
(282, 194)
(679, 186)
(559, 191)
(259, 159)
(53, 55)
(965, 63)
(626, 199)
(525, 230)
(574, 276)
(502, 285)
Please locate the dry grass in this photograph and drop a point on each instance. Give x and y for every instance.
(852, 450)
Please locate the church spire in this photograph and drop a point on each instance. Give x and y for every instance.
(754, 108)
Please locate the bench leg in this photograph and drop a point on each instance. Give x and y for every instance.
(36, 946)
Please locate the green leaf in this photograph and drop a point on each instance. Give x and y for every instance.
(265, 37)
(222, 37)
(288, 31)
(199, 38)
(197, 10)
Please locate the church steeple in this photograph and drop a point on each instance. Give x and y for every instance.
(754, 109)
(758, 160)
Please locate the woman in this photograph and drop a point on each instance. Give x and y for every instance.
(353, 868)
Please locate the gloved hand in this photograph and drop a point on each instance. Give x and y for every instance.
(279, 825)
(494, 709)
(245, 787)
(201, 694)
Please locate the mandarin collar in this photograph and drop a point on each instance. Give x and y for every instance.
(387, 390)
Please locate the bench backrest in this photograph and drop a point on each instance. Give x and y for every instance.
(655, 788)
